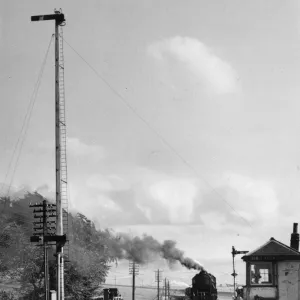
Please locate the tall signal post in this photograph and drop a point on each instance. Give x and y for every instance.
(60, 146)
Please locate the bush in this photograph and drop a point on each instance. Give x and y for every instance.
(8, 295)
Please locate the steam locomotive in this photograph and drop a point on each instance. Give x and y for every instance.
(204, 287)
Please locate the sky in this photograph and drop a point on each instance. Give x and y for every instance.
(196, 136)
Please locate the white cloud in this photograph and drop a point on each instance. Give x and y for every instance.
(106, 183)
(258, 197)
(144, 196)
(214, 73)
(178, 283)
(1, 28)
(177, 195)
(77, 149)
(237, 204)
(46, 190)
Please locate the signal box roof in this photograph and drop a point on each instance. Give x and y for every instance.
(272, 250)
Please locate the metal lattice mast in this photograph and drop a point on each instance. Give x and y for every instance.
(61, 156)
(63, 144)
(60, 148)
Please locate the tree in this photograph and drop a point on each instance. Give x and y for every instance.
(82, 278)
(90, 254)
(8, 295)
(13, 249)
(4, 244)
(11, 235)
(81, 284)
(32, 278)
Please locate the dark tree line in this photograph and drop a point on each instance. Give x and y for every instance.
(23, 262)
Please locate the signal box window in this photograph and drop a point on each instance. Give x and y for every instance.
(261, 274)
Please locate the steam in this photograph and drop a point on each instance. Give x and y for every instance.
(179, 283)
(146, 249)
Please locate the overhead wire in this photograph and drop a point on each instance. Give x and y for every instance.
(23, 132)
(162, 138)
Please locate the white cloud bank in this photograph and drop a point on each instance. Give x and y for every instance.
(177, 195)
(106, 183)
(178, 283)
(77, 148)
(144, 197)
(258, 196)
(214, 73)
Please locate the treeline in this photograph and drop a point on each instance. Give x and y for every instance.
(22, 262)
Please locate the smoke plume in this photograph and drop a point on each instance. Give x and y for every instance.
(147, 249)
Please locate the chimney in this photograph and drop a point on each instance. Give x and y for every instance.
(295, 237)
(106, 294)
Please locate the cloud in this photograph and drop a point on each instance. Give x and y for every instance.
(236, 203)
(215, 74)
(162, 198)
(147, 197)
(14, 192)
(77, 148)
(1, 28)
(106, 183)
(177, 195)
(177, 283)
(259, 195)
(142, 196)
(46, 190)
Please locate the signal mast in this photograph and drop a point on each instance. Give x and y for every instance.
(234, 252)
(62, 250)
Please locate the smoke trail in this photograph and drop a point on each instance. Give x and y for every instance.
(145, 249)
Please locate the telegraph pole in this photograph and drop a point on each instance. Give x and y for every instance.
(134, 270)
(46, 269)
(133, 281)
(42, 235)
(59, 19)
(165, 288)
(39, 237)
(158, 280)
(168, 290)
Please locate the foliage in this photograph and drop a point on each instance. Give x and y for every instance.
(32, 275)
(23, 262)
(8, 295)
(81, 284)
(88, 264)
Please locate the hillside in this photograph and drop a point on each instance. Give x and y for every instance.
(21, 262)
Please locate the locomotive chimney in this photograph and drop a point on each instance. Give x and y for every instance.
(295, 237)
(106, 294)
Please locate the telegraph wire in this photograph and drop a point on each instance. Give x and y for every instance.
(25, 124)
(126, 103)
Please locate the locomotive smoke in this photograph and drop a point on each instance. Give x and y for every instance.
(146, 249)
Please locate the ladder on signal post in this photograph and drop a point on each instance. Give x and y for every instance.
(63, 145)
